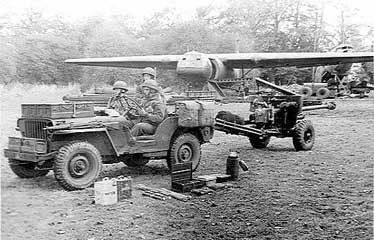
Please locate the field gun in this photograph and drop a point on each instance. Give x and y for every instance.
(273, 115)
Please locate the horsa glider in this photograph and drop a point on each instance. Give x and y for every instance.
(205, 67)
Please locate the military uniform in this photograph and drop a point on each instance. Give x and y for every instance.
(139, 95)
(154, 112)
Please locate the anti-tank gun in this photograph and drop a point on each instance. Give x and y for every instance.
(277, 114)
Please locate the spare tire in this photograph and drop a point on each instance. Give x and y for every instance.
(305, 92)
(323, 93)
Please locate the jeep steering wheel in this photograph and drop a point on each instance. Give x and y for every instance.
(133, 111)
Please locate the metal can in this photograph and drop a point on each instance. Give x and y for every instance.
(106, 191)
(232, 165)
(124, 188)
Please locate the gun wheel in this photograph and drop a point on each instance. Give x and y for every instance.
(77, 165)
(304, 135)
(185, 148)
(259, 142)
(26, 169)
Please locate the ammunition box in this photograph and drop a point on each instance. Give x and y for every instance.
(181, 172)
(186, 186)
(181, 177)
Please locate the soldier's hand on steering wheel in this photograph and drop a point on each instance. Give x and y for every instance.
(132, 113)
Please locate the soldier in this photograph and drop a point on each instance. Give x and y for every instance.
(147, 74)
(118, 101)
(153, 109)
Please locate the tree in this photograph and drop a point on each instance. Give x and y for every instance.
(35, 47)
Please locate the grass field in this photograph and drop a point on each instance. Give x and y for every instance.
(326, 193)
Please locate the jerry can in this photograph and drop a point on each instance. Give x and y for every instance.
(106, 191)
(124, 188)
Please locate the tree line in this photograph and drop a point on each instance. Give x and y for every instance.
(35, 47)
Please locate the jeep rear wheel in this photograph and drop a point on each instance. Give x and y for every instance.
(26, 169)
(185, 148)
(304, 135)
(77, 165)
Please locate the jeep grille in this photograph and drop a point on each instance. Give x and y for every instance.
(33, 128)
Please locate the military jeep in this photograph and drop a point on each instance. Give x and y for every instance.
(74, 142)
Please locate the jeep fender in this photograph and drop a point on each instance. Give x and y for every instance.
(99, 137)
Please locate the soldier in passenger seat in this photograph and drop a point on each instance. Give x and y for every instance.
(119, 104)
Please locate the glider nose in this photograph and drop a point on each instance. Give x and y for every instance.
(195, 64)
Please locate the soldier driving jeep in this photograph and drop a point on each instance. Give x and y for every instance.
(150, 112)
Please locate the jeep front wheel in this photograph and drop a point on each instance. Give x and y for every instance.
(77, 165)
(185, 148)
(26, 169)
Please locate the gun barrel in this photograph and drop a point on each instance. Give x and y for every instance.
(330, 106)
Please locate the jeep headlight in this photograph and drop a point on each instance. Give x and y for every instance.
(41, 147)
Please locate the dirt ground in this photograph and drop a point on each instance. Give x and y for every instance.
(326, 193)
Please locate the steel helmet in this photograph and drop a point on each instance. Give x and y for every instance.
(120, 85)
(150, 71)
(151, 84)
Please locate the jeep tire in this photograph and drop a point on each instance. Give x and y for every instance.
(185, 148)
(77, 165)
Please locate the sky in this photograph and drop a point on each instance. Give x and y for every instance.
(80, 9)
(76, 10)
